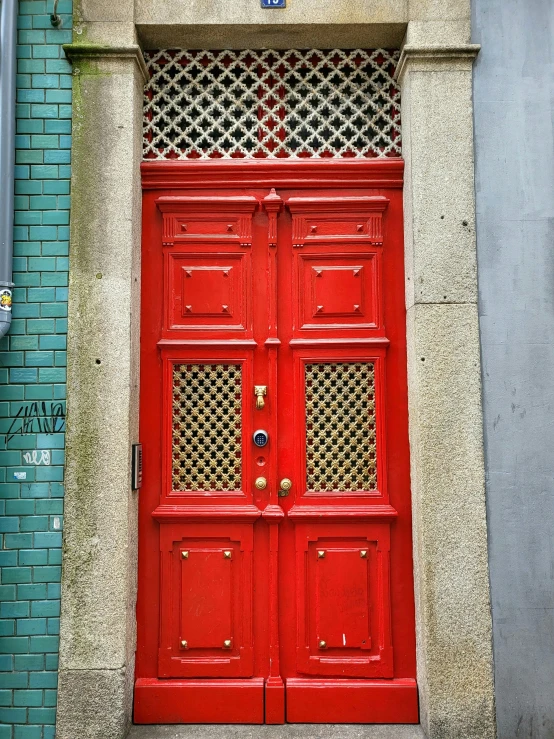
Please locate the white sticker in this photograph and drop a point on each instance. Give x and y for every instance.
(19, 475)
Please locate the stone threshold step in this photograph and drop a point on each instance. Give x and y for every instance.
(286, 731)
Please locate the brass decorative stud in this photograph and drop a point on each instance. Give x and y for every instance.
(227, 644)
(323, 644)
(184, 644)
(260, 483)
(227, 554)
(321, 554)
(185, 554)
(363, 554)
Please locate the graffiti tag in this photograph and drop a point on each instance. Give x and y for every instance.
(38, 418)
(37, 456)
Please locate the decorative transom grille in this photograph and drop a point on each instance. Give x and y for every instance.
(340, 427)
(207, 430)
(212, 104)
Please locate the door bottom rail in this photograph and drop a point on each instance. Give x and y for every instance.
(256, 701)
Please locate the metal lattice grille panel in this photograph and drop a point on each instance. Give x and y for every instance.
(212, 104)
(207, 429)
(340, 427)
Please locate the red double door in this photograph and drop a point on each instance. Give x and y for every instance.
(275, 567)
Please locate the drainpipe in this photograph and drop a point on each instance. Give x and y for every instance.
(8, 44)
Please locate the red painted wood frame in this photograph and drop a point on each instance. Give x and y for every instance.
(253, 606)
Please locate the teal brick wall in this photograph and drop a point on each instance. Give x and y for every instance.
(32, 377)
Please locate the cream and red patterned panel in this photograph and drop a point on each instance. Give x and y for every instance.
(271, 104)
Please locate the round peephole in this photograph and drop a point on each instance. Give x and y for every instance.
(260, 437)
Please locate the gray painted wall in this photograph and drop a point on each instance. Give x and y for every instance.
(514, 114)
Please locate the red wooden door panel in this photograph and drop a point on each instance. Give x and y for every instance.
(206, 631)
(275, 581)
(343, 600)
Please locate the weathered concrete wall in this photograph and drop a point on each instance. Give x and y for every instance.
(514, 108)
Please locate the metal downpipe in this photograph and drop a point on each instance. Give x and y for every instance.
(8, 65)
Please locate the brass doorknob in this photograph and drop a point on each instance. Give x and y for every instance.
(260, 483)
(284, 487)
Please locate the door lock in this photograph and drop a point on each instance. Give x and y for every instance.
(284, 487)
(260, 437)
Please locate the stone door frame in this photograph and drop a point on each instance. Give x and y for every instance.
(454, 635)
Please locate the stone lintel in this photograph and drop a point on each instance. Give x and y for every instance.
(245, 12)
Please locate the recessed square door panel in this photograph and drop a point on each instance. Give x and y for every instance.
(344, 601)
(338, 291)
(206, 592)
(208, 292)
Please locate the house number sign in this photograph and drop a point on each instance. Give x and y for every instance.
(274, 3)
